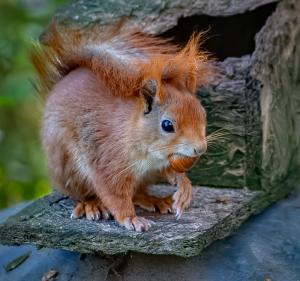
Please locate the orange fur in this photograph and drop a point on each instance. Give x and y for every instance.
(66, 50)
(109, 92)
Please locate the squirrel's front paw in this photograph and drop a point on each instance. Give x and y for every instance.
(136, 223)
(182, 199)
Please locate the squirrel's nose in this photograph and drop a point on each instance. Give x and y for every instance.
(200, 149)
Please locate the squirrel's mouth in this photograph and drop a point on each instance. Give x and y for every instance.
(182, 163)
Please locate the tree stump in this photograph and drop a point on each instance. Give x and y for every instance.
(257, 100)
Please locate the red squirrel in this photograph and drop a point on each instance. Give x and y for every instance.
(121, 113)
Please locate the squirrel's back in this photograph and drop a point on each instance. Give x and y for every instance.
(80, 114)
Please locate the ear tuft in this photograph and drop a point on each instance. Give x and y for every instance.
(148, 92)
(190, 67)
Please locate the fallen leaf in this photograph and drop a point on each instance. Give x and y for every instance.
(16, 262)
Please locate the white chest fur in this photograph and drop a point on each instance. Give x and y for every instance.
(145, 168)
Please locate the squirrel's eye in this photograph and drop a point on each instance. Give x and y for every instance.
(167, 126)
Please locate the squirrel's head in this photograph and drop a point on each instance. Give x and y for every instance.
(172, 118)
(173, 122)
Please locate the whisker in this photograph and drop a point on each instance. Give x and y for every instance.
(218, 130)
(167, 146)
(216, 145)
(218, 137)
(220, 133)
(217, 141)
(221, 141)
(215, 148)
(125, 169)
(210, 154)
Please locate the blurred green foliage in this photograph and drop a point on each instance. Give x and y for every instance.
(23, 172)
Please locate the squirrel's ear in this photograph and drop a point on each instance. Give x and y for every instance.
(148, 92)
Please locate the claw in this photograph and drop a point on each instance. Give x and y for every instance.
(92, 210)
(178, 214)
(90, 217)
(128, 225)
(106, 215)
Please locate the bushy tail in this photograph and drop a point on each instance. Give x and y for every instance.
(121, 58)
(54, 58)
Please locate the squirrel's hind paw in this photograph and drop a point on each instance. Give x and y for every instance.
(152, 203)
(92, 210)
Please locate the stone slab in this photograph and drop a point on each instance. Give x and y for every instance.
(266, 246)
(214, 213)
